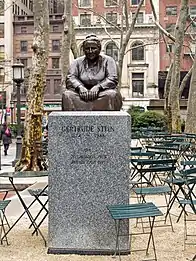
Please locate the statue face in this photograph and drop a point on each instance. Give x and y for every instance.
(91, 50)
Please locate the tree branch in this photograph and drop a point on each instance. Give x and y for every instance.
(158, 24)
(98, 14)
(126, 40)
(184, 81)
(126, 14)
(138, 46)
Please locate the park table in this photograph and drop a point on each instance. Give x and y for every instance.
(25, 174)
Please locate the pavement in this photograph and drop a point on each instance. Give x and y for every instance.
(15, 208)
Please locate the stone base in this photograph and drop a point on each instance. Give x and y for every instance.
(89, 170)
(90, 252)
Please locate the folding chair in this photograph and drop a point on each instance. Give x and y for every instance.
(147, 170)
(134, 211)
(189, 201)
(158, 190)
(3, 220)
(181, 188)
(37, 193)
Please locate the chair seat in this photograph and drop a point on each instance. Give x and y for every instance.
(152, 190)
(174, 181)
(187, 201)
(134, 211)
(3, 204)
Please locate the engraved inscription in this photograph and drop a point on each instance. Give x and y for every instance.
(77, 131)
(88, 157)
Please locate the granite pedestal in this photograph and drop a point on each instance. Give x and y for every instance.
(89, 169)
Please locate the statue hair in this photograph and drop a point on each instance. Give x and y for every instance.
(92, 38)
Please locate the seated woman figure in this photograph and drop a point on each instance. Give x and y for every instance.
(92, 81)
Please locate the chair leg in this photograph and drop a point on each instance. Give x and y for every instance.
(185, 230)
(3, 230)
(117, 248)
(170, 219)
(6, 220)
(151, 223)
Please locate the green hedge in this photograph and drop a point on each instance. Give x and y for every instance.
(146, 119)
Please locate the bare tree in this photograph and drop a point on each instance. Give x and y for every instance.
(190, 125)
(31, 156)
(174, 104)
(125, 29)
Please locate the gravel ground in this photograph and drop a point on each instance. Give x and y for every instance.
(169, 245)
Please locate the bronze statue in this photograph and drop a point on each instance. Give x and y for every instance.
(92, 81)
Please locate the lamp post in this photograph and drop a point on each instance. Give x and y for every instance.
(1, 72)
(18, 78)
(11, 107)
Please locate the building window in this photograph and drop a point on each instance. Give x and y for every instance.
(135, 2)
(1, 8)
(1, 30)
(55, 28)
(85, 20)
(111, 2)
(171, 10)
(23, 29)
(2, 54)
(112, 50)
(31, 5)
(137, 85)
(170, 28)
(53, 7)
(24, 61)
(47, 88)
(23, 46)
(55, 63)
(140, 18)
(169, 48)
(112, 17)
(85, 3)
(192, 11)
(137, 51)
(56, 45)
(57, 86)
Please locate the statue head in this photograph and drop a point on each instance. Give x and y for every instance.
(92, 47)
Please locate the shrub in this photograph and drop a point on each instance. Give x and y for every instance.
(146, 119)
(135, 111)
(150, 119)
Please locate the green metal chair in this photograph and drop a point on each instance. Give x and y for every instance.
(143, 192)
(3, 220)
(135, 211)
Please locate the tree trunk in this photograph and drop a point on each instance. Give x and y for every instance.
(184, 82)
(66, 41)
(74, 47)
(125, 41)
(31, 147)
(174, 105)
(190, 125)
(166, 96)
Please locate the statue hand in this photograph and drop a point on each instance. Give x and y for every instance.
(83, 93)
(93, 93)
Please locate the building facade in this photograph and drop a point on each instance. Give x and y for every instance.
(169, 11)
(141, 61)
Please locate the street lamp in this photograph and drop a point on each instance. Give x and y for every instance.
(1, 73)
(11, 107)
(18, 78)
